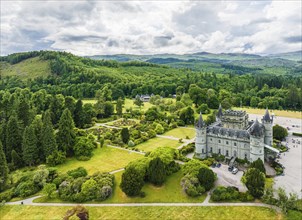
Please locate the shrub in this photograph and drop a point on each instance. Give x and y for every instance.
(83, 148)
(132, 181)
(206, 178)
(159, 129)
(49, 189)
(222, 193)
(258, 164)
(57, 157)
(191, 186)
(78, 172)
(7, 195)
(25, 189)
(131, 143)
(156, 172)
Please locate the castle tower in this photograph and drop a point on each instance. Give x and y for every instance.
(257, 141)
(267, 121)
(201, 138)
(219, 113)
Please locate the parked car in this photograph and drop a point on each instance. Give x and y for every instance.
(235, 170)
(230, 168)
(218, 165)
(213, 165)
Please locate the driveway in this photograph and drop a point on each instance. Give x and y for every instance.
(226, 178)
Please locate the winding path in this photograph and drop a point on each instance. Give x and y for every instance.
(206, 202)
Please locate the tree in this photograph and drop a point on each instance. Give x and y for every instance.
(70, 104)
(279, 132)
(90, 189)
(24, 112)
(13, 137)
(138, 101)
(3, 168)
(57, 157)
(83, 148)
(48, 141)
(29, 146)
(105, 93)
(187, 115)
(197, 94)
(185, 98)
(79, 114)
(255, 182)
(38, 128)
(66, 134)
(152, 114)
(132, 181)
(119, 107)
(156, 172)
(49, 189)
(16, 160)
(108, 109)
(206, 178)
(125, 135)
(56, 108)
(258, 164)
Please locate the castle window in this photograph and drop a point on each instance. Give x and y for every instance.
(245, 156)
(227, 153)
(211, 139)
(219, 151)
(219, 141)
(227, 142)
(235, 144)
(260, 151)
(202, 151)
(211, 149)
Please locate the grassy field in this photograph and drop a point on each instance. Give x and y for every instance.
(27, 69)
(157, 142)
(104, 160)
(129, 104)
(181, 133)
(281, 113)
(213, 213)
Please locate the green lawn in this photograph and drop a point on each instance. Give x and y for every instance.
(104, 160)
(154, 143)
(213, 213)
(27, 69)
(129, 104)
(281, 113)
(181, 133)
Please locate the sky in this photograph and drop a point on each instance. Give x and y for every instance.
(87, 27)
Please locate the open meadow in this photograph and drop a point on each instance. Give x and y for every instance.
(181, 133)
(154, 143)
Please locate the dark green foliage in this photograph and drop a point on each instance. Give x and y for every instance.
(55, 158)
(27, 188)
(132, 181)
(156, 172)
(83, 147)
(191, 186)
(79, 114)
(206, 178)
(48, 141)
(255, 182)
(69, 103)
(13, 137)
(229, 193)
(119, 107)
(78, 172)
(38, 128)
(56, 108)
(258, 164)
(16, 160)
(66, 134)
(279, 132)
(29, 146)
(125, 135)
(153, 114)
(3, 168)
(24, 112)
(138, 101)
(187, 115)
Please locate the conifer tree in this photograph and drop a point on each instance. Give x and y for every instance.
(48, 141)
(38, 128)
(30, 150)
(16, 160)
(13, 137)
(79, 114)
(119, 107)
(156, 172)
(66, 134)
(24, 113)
(3, 168)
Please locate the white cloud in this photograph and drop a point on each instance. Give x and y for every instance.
(104, 27)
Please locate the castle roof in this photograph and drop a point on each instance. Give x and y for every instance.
(216, 129)
(231, 112)
(266, 116)
(257, 129)
(219, 114)
(200, 123)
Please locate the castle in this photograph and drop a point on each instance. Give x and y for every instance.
(234, 136)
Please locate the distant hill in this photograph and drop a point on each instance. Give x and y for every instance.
(295, 56)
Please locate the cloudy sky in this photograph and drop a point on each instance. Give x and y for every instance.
(149, 27)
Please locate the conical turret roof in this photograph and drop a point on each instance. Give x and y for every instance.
(200, 123)
(266, 116)
(257, 129)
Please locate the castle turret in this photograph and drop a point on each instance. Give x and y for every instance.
(219, 113)
(201, 138)
(257, 141)
(267, 121)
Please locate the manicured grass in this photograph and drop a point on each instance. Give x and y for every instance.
(154, 143)
(281, 113)
(181, 133)
(104, 160)
(129, 103)
(213, 213)
(27, 69)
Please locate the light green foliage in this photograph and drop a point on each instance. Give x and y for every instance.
(279, 132)
(49, 189)
(192, 167)
(3, 168)
(83, 148)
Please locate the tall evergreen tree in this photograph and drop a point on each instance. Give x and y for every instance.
(70, 104)
(48, 140)
(56, 108)
(66, 134)
(30, 150)
(3, 168)
(38, 127)
(24, 112)
(16, 160)
(79, 114)
(13, 137)
(125, 135)
(156, 172)
(119, 107)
